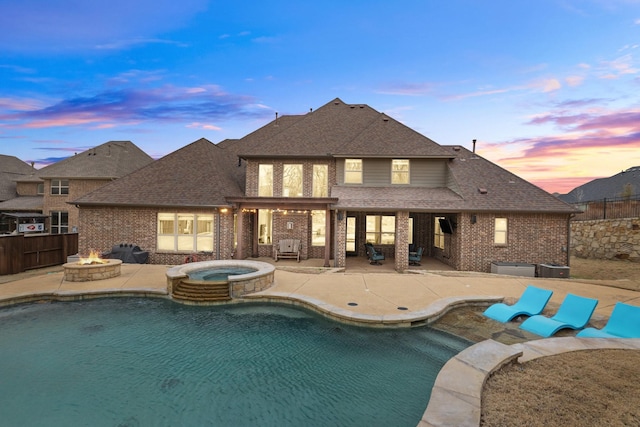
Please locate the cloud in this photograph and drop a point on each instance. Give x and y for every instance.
(547, 85)
(591, 144)
(410, 89)
(18, 69)
(132, 106)
(71, 25)
(574, 81)
(127, 44)
(618, 67)
(198, 125)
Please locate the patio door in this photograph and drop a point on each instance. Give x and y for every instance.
(351, 248)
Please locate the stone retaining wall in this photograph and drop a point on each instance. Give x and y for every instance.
(606, 239)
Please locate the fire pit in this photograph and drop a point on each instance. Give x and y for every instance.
(91, 268)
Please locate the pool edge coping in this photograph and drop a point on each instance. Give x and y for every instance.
(457, 391)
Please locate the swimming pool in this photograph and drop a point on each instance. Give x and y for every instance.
(138, 362)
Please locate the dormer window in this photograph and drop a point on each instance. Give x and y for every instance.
(59, 187)
(400, 171)
(353, 171)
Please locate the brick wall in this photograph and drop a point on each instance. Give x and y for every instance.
(59, 203)
(103, 227)
(532, 238)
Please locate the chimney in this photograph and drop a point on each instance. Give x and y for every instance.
(474, 146)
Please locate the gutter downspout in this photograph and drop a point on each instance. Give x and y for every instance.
(218, 234)
(569, 238)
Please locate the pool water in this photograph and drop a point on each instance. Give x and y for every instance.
(219, 273)
(142, 362)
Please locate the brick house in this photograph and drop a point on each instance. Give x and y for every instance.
(13, 170)
(333, 178)
(49, 190)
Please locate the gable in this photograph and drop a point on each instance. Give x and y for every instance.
(197, 175)
(110, 160)
(339, 130)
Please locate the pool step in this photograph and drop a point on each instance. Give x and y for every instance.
(202, 291)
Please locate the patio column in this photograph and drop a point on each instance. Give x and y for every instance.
(240, 233)
(402, 241)
(327, 237)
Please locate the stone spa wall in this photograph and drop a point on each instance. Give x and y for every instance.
(606, 239)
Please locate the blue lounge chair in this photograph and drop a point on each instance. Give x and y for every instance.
(623, 323)
(373, 255)
(415, 258)
(574, 313)
(532, 302)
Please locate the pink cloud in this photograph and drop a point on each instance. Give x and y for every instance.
(128, 106)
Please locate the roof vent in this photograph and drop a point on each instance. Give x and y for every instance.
(362, 106)
(352, 106)
(386, 119)
(482, 190)
(456, 148)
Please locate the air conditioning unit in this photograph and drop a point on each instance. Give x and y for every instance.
(513, 268)
(553, 271)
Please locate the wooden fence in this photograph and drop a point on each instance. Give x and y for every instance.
(25, 252)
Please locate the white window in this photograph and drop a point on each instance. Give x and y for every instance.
(318, 227)
(438, 235)
(59, 186)
(399, 171)
(265, 218)
(59, 222)
(320, 180)
(185, 232)
(265, 181)
(353, 171)
(500, 231)
(292, 181)
(381, 229)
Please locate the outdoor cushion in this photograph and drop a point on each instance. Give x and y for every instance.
(532, 302)
(623, 323)
(574, 313)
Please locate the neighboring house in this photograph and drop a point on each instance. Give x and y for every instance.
(49, 190)
(13, 170)
(625, 184)
(334, 178)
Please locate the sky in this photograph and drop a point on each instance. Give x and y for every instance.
(548, 88)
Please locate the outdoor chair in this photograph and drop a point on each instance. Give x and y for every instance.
(416, 257)
(287, 248)
(574, 313)
(531, 303)
(623, 323)
(373, 255)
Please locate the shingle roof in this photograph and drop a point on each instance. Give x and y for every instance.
(23, 203)
(625, 183)
(12, 169)
(504, 190)
(199, 174)
(112, 159)
(395, 198)
(339, 130)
